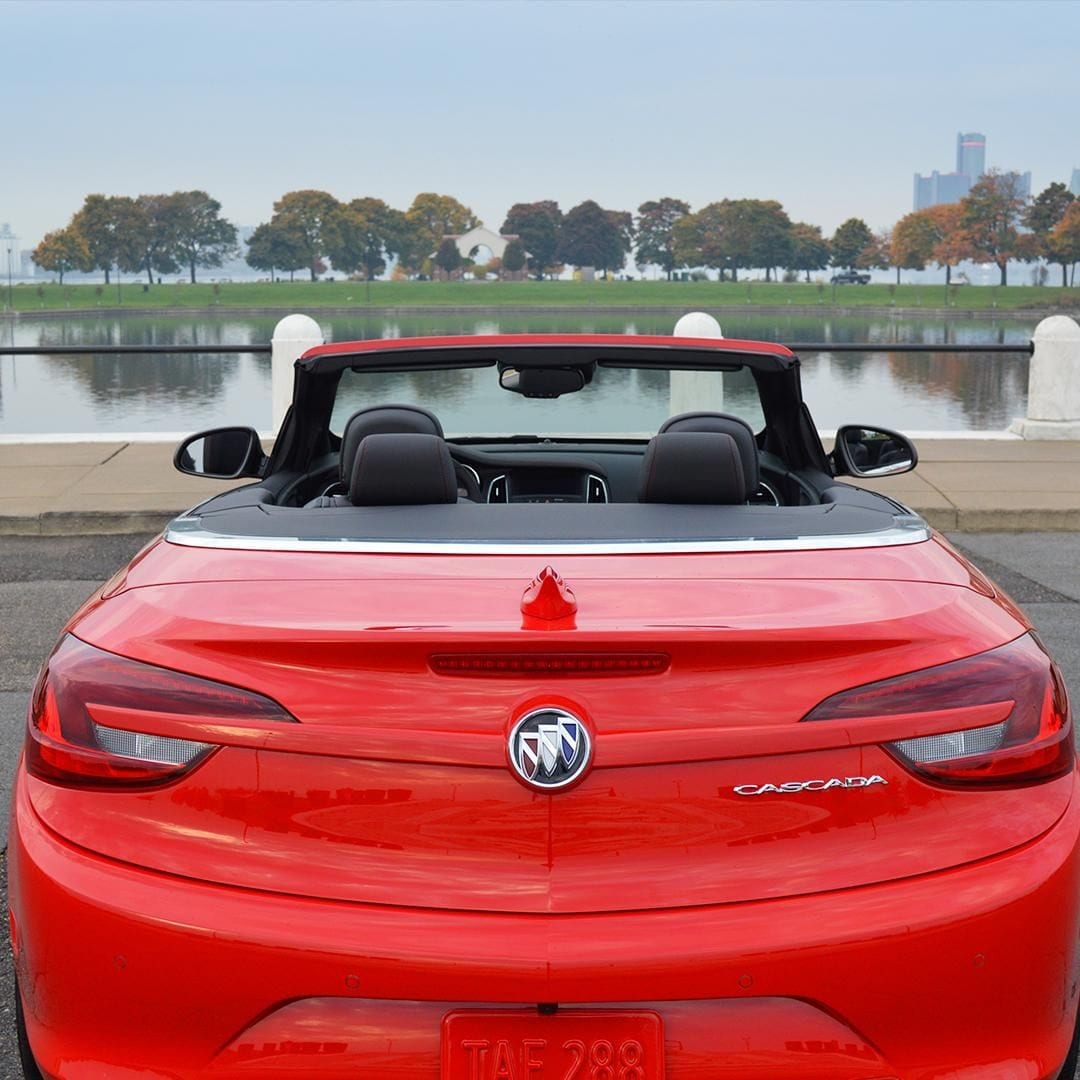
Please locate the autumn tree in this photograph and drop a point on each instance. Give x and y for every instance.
(913, 239)
(431, 218)
(700, 239)
(1064, 241)
(277, 247)
(735, 234)
(62, 251)
(202, 236)
(592, 236)
(1042, 217)
(764, 232)
(368, 233)
(951, 242)
(849, 241)
(110, 225)
(538, 225)
(153, 237)
(809, 249)
(992, 211)
(877, 255)
(314, 218)
(655, 222)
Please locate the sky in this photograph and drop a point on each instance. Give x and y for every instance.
(828, 106)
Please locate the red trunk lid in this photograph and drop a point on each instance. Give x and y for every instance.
(395, 787)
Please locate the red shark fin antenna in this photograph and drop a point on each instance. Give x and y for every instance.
(548, 603)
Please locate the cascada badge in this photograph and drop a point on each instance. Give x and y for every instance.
(792, 787)
(549, 748)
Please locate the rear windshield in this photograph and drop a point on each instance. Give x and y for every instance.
(617, 402)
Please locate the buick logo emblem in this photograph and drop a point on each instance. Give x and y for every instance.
(549, 748)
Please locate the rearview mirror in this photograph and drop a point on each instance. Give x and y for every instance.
(863, 451)
(223, 454)
(542, 382)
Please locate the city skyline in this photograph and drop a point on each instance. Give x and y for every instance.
(499, 103)
(951, 187)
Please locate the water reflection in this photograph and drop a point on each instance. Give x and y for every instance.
(176, 392)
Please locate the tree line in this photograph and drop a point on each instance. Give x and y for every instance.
(312, 230)
(148, 234)
(308, 229)
(994, 223)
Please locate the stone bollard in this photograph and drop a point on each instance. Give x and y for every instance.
(696, 391)
(1053, 410)
(293, 336)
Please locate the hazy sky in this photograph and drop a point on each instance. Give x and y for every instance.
(829, 107)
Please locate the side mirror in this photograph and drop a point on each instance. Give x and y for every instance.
(863, 451)
(223, 454)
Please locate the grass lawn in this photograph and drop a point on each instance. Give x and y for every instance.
(306, 295)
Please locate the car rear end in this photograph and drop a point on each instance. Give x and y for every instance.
(269, 823)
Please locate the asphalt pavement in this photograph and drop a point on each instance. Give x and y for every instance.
(44, 578)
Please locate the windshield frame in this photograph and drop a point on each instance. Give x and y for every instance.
(788, 432)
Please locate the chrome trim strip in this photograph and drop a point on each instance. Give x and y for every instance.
(775, 497)
(475, 474)
(491, 488)
(887, 470)
(189, 532)
(603, 487)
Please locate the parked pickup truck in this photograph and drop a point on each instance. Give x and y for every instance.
(850, 277)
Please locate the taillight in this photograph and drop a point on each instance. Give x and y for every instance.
(1032, 743)
(67, 744)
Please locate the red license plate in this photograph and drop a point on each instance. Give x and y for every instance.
(571, 1044)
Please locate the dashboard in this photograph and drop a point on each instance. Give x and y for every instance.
(547, 485)
(549, 471)
(546, 471)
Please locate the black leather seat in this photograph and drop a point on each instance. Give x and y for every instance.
(374, 420)
(383, 420)
(703, 467)
(723, 424)
(402, 470)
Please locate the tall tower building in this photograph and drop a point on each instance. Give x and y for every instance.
(10, 258)
(940, 188)
(1074, 183)
(952, 187)
(971, 154)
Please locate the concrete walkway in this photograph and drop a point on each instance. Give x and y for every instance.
(86, 488)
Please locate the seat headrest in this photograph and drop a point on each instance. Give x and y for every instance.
(693, 467)
(383, 420)
(402, 470)
(724, 424)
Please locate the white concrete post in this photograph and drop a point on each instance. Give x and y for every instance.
(696, 391)
(293, 336)
(1053, 410)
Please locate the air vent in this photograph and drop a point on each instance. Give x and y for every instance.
(596, 491)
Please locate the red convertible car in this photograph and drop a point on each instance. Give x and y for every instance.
(507, 726)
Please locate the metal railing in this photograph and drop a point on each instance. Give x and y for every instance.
(1027, 348)
(796, 347)
(126, 350)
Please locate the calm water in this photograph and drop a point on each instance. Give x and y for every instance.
(171, 392)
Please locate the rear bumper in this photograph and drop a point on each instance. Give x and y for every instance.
(968, 974)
